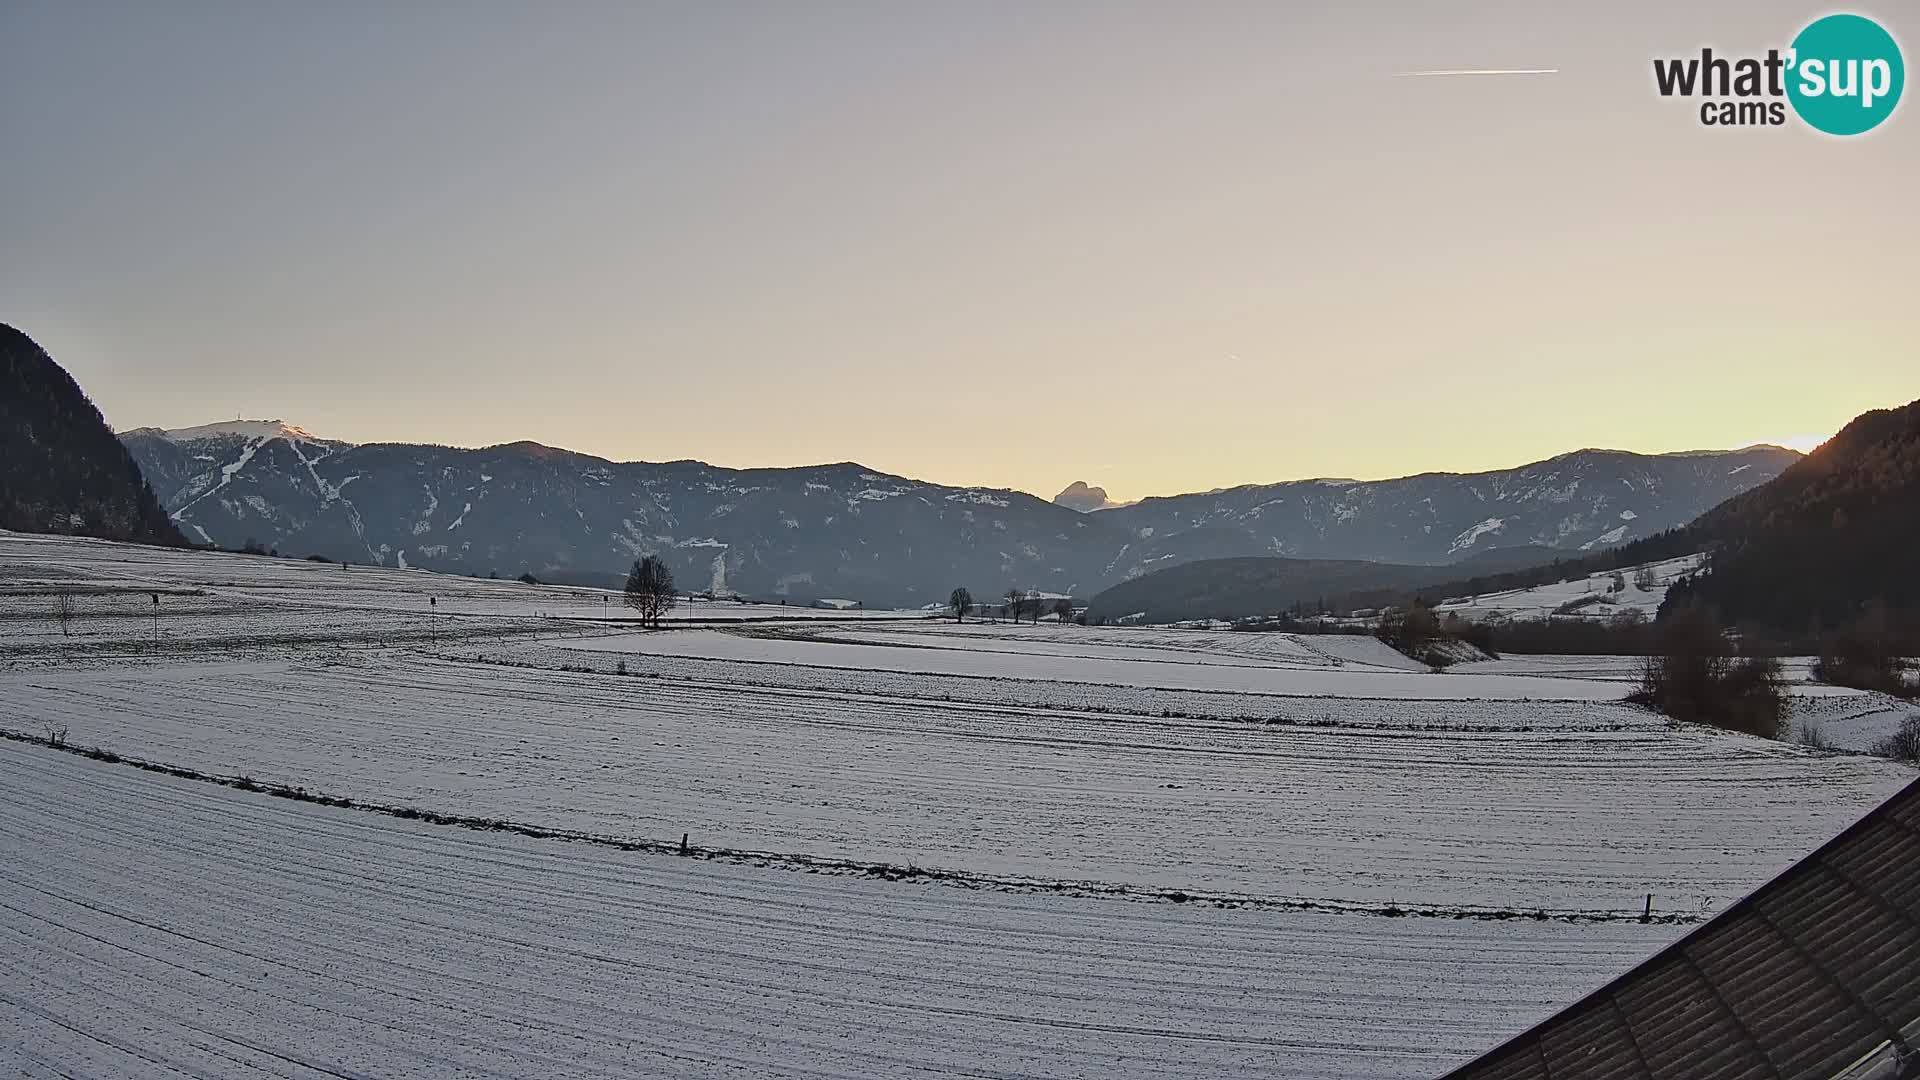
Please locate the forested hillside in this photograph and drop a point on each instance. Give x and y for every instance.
(1834, 537)
(62, 470)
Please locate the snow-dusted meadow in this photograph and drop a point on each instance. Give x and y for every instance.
(1587, 597)
(1576, 820)
(1103, 658)
(300, 588)
(915, 847)
(156, 926)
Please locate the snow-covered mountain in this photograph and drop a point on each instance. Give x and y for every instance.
(827, 530)
(846, 530)
(1580, 501)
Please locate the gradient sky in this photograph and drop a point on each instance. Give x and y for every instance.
(1158, 247)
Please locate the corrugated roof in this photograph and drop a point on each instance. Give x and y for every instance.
(1816, 974)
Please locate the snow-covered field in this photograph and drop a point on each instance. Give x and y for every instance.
(156, 927)
(35, 565)
(1844, 718)
(1454, 713)
(1851, 719)
(1051, 659)
(924, 848)
(1581, 820)
(1795, 670)
(1583, 597)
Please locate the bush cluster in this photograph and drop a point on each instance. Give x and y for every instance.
(1694, 676)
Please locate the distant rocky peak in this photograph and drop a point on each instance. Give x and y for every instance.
(1078, 496)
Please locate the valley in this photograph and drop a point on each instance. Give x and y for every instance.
(1237, 846)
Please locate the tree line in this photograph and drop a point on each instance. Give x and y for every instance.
(1020, 604)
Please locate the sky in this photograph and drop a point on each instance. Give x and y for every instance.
(1156, 247)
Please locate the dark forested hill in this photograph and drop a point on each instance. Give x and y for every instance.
(62, 470)
(1835, 534)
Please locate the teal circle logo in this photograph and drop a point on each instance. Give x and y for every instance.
(1846, 74)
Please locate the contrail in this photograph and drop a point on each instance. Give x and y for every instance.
(1476, 71)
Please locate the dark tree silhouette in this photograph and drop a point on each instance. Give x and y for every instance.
(650, 590)
(1694, 676)
(960, 601)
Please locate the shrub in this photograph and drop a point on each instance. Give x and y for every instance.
(1580, 603)
(1409, 630)
(1865, 656)
(1813, 736)
(1902, 745)
(1625, 634)
(1694, 677)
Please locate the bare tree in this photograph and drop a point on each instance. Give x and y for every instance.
(1063, 610)
(960, 601)
(643, 592)
(1903, 744)
(1644, 580)
(650, 590)
(664, 595)
(1016, 603)
(63, 611)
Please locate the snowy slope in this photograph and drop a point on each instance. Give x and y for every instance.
(1574, 502)
(1586, 597)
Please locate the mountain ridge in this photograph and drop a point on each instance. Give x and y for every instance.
(846, 529)
(1585, 450)
(1077, 486)
(1826, 544)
